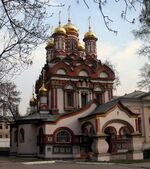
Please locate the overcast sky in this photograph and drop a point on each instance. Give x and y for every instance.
(120, 49)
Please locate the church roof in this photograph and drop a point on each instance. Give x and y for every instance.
(104, 108)
(38, 116)
(135, 94)
(52, 117)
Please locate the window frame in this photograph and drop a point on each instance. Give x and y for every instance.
(66, 99)
(84, 103)
(100, 95)
(58, 138)
(70, 98)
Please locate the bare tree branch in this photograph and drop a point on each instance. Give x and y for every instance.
(22, 28)
(128, 5)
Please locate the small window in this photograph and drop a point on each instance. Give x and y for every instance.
(84, 99)
(1, 126)
(62, 149)
(1, 136)
(7, 126)
(70, 100)
(6, 135)
(63, 136)
(103, 75)
(98, 97)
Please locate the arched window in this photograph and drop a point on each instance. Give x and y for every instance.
(103, 75)
(59, 43)
(63, 136)
(69, 97)
(61, 71)
(83, 73)
(21, 135)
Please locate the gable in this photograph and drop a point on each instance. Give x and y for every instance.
(109, 107)
(118, 111)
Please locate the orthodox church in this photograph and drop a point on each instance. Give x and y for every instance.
(74, 115)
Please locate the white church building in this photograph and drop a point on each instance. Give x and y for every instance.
(73, 114)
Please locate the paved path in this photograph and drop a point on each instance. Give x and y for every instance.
(10, 164)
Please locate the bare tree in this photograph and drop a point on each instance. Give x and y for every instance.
(144, 31)
(144, 75)
(9, 98)
(144, 34)
(22, 28)
(117, 78)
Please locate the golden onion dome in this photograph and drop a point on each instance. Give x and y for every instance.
(81, 47)
(60, 30)
(69, 27)
(33, 101)
(50, 43)
(90, 34)
(43, 90)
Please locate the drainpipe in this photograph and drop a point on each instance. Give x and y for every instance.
(143, 123)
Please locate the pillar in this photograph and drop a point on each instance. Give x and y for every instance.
(100, 148)
(135, 147)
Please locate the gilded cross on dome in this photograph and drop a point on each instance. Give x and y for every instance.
(69, 17)
(89, 23)
(59, 18)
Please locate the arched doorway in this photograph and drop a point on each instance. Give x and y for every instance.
(111, 139)
(118, 142)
